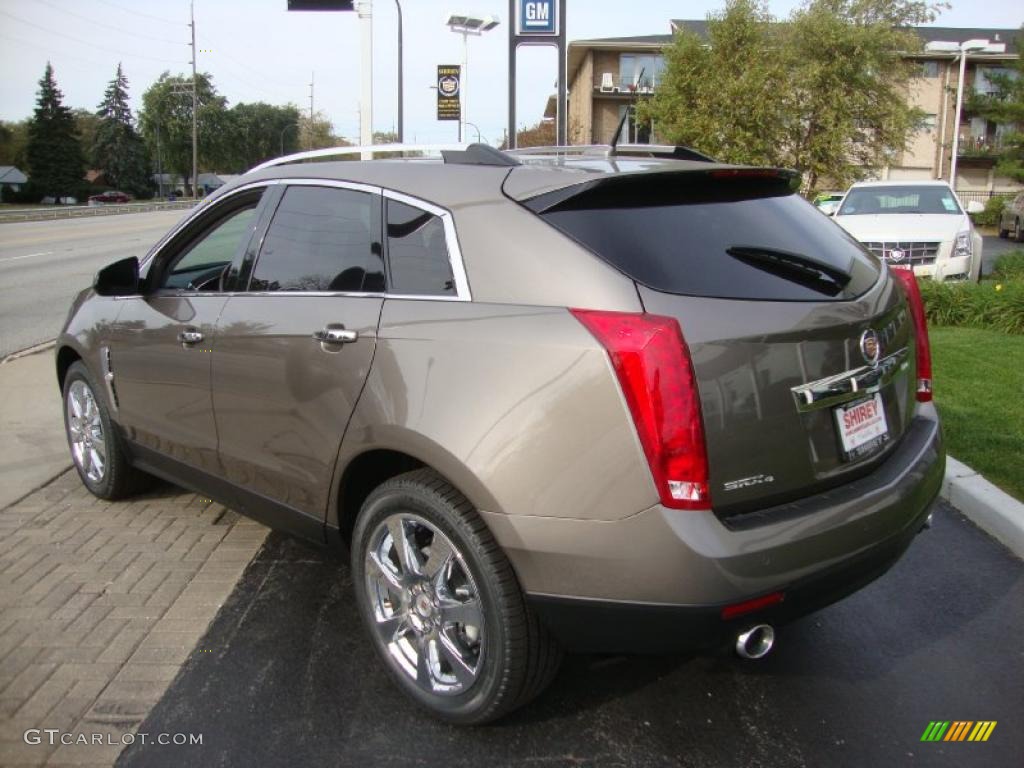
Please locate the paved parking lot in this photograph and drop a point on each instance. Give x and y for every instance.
(285, 677)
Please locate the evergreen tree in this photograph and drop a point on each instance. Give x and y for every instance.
(54, 155)
(117, 149)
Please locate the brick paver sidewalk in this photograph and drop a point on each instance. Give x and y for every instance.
(100, 605)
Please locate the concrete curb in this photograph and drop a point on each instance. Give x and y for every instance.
(991, 509)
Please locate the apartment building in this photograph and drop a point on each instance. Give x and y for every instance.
(606, 75)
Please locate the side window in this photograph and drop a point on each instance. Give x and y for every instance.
(200, 265)
(322, 239)
(417, 252)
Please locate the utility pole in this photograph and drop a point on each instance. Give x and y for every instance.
(195, 105)
(312, 82)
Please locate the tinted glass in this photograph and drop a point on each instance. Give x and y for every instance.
(212, 251)
(418, 252)
(729, 238)
(322, 239)
(872, 201)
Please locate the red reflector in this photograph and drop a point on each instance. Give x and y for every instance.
(924, 350)
(653, 365)
(748, 606)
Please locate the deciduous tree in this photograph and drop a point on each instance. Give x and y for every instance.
(167, 108)
(823, 91)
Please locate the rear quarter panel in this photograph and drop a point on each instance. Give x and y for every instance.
(516, 405)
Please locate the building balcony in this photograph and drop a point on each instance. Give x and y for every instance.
(612, 85)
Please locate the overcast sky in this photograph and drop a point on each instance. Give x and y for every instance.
(257, 51)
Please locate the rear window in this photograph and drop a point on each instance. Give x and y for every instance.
(734, 237)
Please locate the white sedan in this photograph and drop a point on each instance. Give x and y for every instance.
(918, 225)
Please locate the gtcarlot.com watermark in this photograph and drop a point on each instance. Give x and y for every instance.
(56, 737)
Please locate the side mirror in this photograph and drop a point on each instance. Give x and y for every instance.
(118, 279)
(975, 207)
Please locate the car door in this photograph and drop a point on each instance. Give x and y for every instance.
(162, 342)
(294, 349)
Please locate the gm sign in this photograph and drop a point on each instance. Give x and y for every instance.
(538, 17)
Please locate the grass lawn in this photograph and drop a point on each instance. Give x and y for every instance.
(979, 390)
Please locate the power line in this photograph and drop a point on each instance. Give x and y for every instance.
(86, 42)
(138, 13)
(122, 30)
(49, 51)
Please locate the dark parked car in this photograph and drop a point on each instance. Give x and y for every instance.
(547, 400)
(111, 196)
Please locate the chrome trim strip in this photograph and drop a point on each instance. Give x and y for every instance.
(850, 385)
(462, 290)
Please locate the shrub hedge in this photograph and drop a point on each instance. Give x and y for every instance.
(992, 304)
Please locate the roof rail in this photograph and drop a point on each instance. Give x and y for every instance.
(456, 154)
(665, 151)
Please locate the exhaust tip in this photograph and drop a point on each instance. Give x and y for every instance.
(756, 642)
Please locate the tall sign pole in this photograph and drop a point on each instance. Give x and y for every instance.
(538, 22)
(365, 10)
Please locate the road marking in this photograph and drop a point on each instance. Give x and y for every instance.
(26, 256)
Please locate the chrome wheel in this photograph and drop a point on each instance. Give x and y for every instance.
(85, 432)
(426, 608)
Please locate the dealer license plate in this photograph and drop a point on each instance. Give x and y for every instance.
(862, 426)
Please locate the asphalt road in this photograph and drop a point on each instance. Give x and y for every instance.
(992, 248)
(285, 676)
(44, 264)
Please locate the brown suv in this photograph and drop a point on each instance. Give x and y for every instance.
(553, 399)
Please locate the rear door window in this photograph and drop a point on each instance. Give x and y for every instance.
(417, 252)
(696, 235)
(322, 239)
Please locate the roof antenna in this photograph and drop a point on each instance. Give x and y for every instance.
(625, 115)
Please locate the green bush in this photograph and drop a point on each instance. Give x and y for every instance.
(993, 210)
(998, 306)
(1009, 266)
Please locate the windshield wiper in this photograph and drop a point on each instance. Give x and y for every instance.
(795, 267)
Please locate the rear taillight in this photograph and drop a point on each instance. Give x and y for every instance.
(924, 350)
(653, 365)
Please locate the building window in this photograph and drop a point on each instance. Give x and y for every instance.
(930, 68)
(982, 79)
(632, 64)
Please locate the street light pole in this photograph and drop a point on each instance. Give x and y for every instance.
(467, 25)
(965, 47)
(290, 125)
(477, 129)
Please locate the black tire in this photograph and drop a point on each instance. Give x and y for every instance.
(1003, 233)
(119, 478)
(1018, 231)
(519, 656)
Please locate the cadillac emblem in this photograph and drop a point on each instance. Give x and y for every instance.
(895, 255)
(870, 347)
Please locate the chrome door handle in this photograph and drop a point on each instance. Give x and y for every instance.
(190, 337)
(335, 336)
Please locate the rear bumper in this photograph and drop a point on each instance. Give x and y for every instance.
(658, 580)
